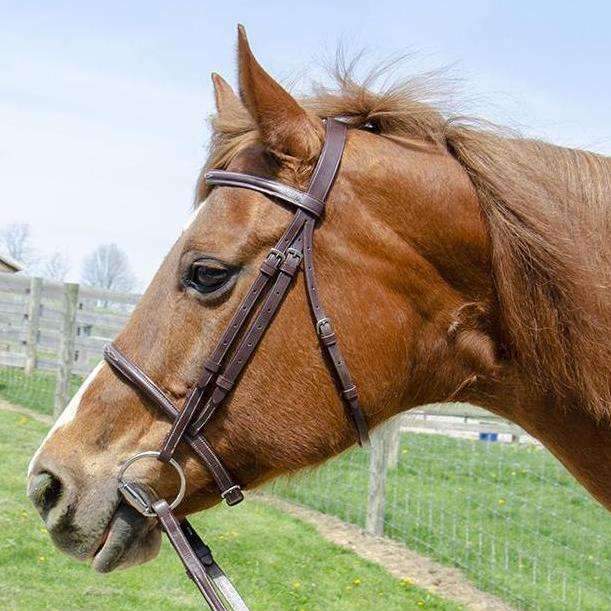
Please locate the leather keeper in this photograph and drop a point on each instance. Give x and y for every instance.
(233, 496)
(212, 367)
(350, 393)
(329, 339)
(291, 264)
(224, 383)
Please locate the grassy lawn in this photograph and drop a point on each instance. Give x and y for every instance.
(508, 514)
(277, 561)
(35, 391)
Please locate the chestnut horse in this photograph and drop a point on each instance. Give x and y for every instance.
(457, 264)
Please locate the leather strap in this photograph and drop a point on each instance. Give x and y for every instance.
(213, 363)
(218, 377)
(273, 282)
(329, 343)
(230, 490)
(187, 555)
(268, 187)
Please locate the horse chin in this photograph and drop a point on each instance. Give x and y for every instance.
(130, 539)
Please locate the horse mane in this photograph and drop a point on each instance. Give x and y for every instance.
(547, 210)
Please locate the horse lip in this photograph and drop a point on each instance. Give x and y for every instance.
(126, 530)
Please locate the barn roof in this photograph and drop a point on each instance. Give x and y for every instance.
(8, 264)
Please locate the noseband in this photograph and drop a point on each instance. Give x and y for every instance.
(238, 343)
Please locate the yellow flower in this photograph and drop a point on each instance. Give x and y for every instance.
(23, 420)
(296, 585)
(41, 558)
(501, 501)
(356, 581)
(420, 603)
(406, 582)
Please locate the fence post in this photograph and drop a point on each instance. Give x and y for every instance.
(378, 460)
(33, 325)
(394, 441)
(66, 348)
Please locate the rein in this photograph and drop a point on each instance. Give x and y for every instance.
(231, 355)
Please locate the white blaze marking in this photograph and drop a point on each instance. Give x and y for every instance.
(193, 216)
(69, 412)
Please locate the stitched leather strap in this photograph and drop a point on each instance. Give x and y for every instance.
(185, 552)
(195, 400)
(273, 282)
(268, 187)
(230, 490)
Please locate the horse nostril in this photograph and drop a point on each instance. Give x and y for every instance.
(44, 491)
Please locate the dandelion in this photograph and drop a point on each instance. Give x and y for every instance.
(502, 501)
(296, 585)
(41, 558)
(406, 582)
(420, 603)
(356, 581)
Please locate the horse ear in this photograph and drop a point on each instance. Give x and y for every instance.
(472, 338)
(226, 100)
(285, 127)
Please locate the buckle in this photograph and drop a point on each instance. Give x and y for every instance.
(319, 325)
(295, 253)
(280, 256)
(232, 496)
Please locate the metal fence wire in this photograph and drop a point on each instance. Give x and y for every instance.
(453, 483)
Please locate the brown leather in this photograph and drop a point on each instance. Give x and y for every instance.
(268, 187)
(195, 569)
(282, 263)
(230, 491)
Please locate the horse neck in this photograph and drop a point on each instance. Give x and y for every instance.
(573, 435)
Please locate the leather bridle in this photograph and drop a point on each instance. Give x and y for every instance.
(228, 359)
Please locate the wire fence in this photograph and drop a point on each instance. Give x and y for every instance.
(453, 483)
(506, 513)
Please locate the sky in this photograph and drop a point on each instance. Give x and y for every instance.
(103, 105)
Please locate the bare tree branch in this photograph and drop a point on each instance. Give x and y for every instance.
(16, 240)
(107, 267)
(56, 267)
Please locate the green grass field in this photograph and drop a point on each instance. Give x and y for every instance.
(508, 514)
(35, 391)
(277, 561)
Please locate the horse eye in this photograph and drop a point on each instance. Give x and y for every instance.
(208, 275)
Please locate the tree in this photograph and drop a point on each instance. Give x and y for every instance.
(107, 267)
(16, 240)
(56, 267)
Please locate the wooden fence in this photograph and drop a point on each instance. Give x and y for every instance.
(59, 327)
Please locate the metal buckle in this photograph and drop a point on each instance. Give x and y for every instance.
(319, 325)
(229, 491)
(278, 254)
(132, 492)
(295, 253)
